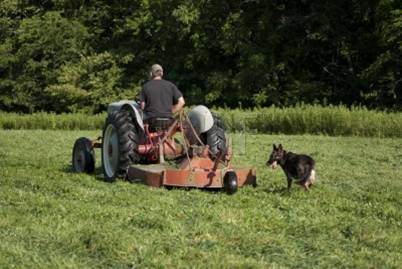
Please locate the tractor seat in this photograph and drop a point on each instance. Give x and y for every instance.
(159, 124)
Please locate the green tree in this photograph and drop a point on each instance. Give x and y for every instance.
(88, 85)
(64, 55)
(42, 44)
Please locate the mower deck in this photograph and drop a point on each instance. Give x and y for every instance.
(198, 173)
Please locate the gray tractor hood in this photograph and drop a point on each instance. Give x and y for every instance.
(201, 119)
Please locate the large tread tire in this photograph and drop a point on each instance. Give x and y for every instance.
(123, 128)
(215, 137)
(83, 156)
(218, 121)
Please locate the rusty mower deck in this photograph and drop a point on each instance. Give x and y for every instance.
(198, 172)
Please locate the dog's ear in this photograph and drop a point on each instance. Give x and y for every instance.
(280, 147)
(274, 146)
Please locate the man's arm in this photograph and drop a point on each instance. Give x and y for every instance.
(142, 98)
(180, 104)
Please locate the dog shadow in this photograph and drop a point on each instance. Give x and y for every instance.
(283, 191)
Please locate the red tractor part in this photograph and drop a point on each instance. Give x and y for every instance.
(199, 172)
(196, 168)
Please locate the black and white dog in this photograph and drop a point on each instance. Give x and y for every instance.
(297, 167)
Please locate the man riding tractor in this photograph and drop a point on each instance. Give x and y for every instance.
(159, 100)
(135, 145)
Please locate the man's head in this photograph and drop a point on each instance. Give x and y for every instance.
(156, 71)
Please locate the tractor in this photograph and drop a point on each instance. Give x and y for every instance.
(190, 150)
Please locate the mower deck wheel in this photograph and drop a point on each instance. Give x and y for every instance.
(230, 183)
(83, 157)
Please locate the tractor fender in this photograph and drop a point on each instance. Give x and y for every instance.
(201, 118)
(131, 106)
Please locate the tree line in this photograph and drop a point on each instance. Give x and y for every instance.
(80, 55)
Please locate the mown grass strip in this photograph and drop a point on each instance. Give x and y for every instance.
(303, 119)
(53, 218)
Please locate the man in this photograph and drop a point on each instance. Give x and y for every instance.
(160, 98)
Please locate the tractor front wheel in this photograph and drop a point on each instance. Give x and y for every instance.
(83, 157)
(118, 145)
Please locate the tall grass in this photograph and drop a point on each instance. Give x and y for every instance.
(51, 121)
(306, 119)
(303, 119)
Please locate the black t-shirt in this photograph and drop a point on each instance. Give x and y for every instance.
(159, 97)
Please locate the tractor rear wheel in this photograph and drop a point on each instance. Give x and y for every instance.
(83, 157)
(215, 137)
(118, 144)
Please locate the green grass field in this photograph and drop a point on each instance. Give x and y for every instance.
(52, 218)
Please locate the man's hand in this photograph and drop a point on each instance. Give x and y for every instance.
(179, 105)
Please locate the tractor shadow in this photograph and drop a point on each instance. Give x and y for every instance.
(98, 176)
(68, 169)
(206, 190)
(97, 173)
